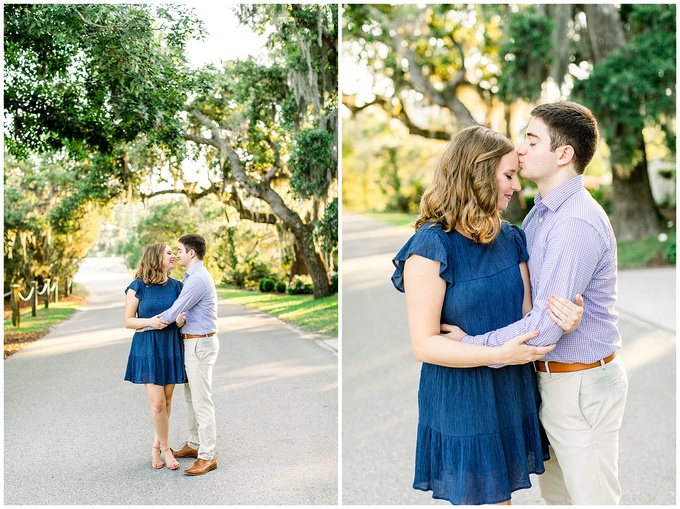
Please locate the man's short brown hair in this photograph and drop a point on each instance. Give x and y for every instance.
(194, 241)
(571, 124)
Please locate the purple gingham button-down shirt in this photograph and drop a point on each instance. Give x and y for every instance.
(572, 250)
(199, 299)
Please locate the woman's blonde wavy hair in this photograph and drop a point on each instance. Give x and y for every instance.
(464, 189)
(150, 268)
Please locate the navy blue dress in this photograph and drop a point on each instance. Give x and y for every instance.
(156, 356)
(479, 436)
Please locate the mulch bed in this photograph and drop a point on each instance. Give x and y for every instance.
(15, 341)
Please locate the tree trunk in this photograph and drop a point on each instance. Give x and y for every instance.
(629, 195)
(302, 233)
(298, 266)
(305, 240)
(634, 213)
(261, 190)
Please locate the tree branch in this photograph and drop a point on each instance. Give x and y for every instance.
(400, 114)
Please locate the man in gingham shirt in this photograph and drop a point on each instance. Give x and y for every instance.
(572, 250)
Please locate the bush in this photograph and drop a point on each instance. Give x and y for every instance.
(669, 254)
(301, 284)
(334, 283)
(267, 285)
(280, 287)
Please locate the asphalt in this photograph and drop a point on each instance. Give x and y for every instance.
(380, 378)
(76, 433)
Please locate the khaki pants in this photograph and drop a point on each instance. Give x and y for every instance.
(199, 358)
(582, 412)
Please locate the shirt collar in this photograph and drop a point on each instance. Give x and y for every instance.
(193, 268)
(560, 194)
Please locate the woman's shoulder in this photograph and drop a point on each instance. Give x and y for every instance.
(515, 238)
(512, 230)
(137, 285)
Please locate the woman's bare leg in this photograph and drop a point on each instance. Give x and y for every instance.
(159, 417)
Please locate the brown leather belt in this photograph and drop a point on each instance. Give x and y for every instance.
(561, 367)
(194, 336)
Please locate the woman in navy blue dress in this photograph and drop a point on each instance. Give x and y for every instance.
(156, 356)
(479, 436)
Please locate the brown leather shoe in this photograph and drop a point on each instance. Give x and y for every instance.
(201, 467)
(186, 452)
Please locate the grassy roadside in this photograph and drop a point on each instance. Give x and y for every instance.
(319, 316)
(638, 254)
(32, 328)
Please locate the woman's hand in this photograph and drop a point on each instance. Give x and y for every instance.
(157, 323)
(515, 351)
(565, 313)
(452, 332)
(181, 320)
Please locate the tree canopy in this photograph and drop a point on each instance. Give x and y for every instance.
(89, 77)
(108, 87)
(435, 68)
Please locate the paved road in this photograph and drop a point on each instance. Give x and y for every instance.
(380, 378)
(77, 433)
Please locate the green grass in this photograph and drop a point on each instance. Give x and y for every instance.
(394, 218)
(319, 316)
(45, 320)
(642, 253)
(32, 328)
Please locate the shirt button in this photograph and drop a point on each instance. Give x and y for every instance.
(540, 219)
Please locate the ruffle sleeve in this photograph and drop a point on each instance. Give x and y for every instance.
(138, 286)
(520, 241)
(429, 242)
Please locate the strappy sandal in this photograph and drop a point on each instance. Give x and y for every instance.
(157, 465)
(171, 466)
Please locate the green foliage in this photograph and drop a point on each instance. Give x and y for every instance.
(650, 250)
(603, 195)
(636, 85)
(300, 285)
(334, 283)
(327, 228)
(104, 75)
(312, 163)
(162, 222)
(280, 287)
(383, 167)
(670, 252)
(267, 285)
(526, 55)
(38, 242)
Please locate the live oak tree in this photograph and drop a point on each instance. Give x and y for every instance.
(270, 129)
(80, 83)
(110, 85)
(621, 63)
(468, 61)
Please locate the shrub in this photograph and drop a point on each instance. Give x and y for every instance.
(669, 254)
(334, 283)
(280, 287)
(267, 285)
(301, 284)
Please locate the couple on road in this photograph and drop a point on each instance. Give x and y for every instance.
(515, 378)
(175, 342)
